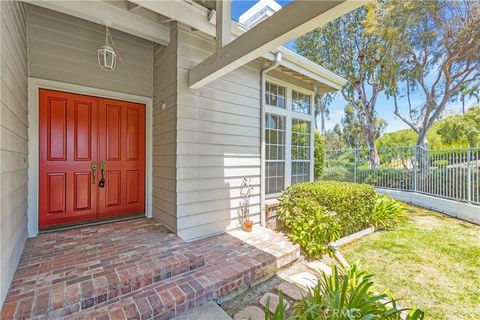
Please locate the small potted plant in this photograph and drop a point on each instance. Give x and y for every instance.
(245, 191)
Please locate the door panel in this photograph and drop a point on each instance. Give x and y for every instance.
(75, 130)
(68, 139)
(122, 146)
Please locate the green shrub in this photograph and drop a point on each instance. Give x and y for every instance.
(348, 294)
(319, 155)
(310, 224)
(316, 213)
(387, 213)
(338, 173)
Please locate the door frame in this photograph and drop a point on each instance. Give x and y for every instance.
(34, 85)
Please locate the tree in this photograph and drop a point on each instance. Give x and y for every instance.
(362, 58)
(461, 129)
(353, 133)
(334, 138)
(437, 49)
(471, 92)
(322, 101)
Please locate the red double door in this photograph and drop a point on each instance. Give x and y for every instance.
(83, 140)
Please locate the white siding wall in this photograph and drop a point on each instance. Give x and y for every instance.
(13, 140)
(218, 143)
(64, 48)
(164, 132)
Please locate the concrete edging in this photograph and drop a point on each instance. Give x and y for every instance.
(460, 210)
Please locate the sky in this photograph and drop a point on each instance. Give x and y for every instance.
(384, 106)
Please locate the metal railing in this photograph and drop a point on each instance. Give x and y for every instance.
(447, 173)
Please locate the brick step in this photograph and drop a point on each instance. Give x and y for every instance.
(183, 293)
(81, 290)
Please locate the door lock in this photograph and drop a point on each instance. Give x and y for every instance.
(101, 183)
(94, 171)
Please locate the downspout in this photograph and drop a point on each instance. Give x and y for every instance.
(263, 73)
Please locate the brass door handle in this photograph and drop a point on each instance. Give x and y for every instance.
(101, 183)
(94, 171)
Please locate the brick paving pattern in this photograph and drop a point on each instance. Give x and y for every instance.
(136, 270)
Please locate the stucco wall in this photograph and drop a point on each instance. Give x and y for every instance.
(13, 139)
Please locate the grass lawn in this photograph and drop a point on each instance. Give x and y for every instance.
(430, 262)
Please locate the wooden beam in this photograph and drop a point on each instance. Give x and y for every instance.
(224, 23)
(289, 23)
(188, 13)
(100, 12)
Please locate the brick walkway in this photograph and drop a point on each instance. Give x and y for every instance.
(136, 270)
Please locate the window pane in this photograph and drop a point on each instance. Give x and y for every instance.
(275, 95)
(300, 151)
(300, 172)
(300, 102)
(275, 177)
(300, 140)
(275, 153)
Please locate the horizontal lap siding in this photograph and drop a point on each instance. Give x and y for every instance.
(164, 132)
(13, 139)
(218, 143)
(64, 48)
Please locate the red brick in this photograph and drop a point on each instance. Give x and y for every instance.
(167, 299)
(178, 295)
(24, 308)
(57, 297)
(131, 311)
(8, 310)
(73, 293)
(117, 315)
(41, 303)
(156, 304)
(144, 308)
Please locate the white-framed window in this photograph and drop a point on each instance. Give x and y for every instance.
(288, 136)
(275, 95)
(274, 152)
(300, 150)
(301, 102)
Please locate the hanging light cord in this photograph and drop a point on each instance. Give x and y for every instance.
(109, 35)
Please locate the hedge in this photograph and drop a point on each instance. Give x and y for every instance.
(317, 213)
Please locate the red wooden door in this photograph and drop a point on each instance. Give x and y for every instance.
(76, 130)
(122, 147)
(68, 145)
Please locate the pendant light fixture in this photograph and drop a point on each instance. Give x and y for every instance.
(107, 57)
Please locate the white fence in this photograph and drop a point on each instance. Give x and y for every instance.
(447, 173)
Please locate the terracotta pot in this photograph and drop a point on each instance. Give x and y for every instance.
(247, 226)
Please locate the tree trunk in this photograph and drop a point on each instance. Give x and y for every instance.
(374, 158)
(422, 137)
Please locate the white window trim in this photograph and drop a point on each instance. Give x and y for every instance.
(289, 114)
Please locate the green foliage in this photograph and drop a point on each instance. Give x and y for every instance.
(428, 39)
(344, 295)
(280, 311)
(452, 131)
(461, 129)
(344, 47)
(387, 213)
(406, 137)
(317, 213)
(309, 223)
(319, 155)
(338, 173)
